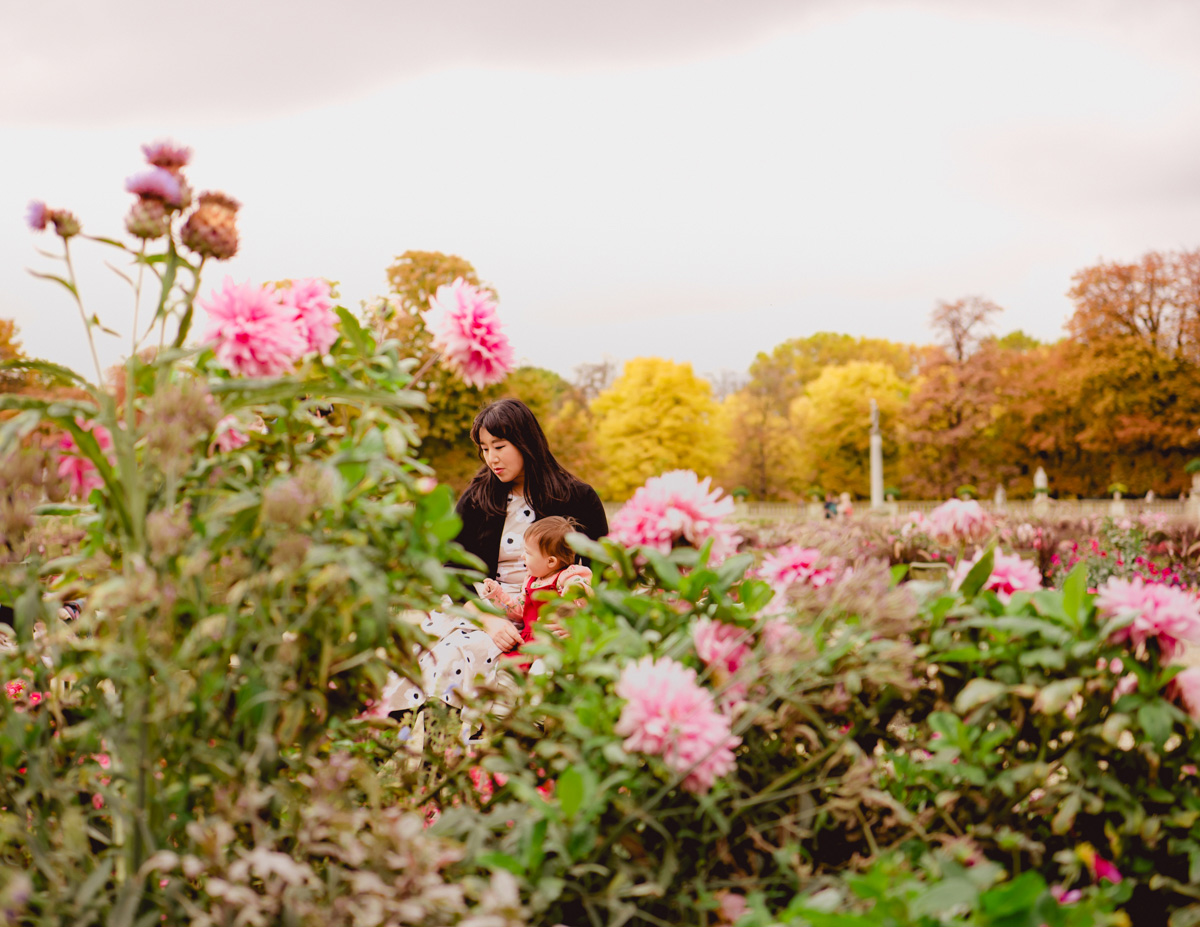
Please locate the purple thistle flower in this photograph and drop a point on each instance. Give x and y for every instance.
(156, 183)
(37, 215)
(167, 155)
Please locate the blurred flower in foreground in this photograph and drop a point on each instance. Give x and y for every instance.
(677, 507)
(468, 335)
(79, 471)
(253, 334)
(311, 305)
(668, 714)
(1169, 615)
(1010, 573)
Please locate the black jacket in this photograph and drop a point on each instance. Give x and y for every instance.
(481, 532)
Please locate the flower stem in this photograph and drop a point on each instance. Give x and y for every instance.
(87, 326)
(137, 297)
(433, 359)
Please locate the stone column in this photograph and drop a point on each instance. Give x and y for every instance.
(1041, 498)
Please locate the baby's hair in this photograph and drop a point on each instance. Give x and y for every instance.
(550, 536)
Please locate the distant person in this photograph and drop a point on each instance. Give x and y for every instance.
(831, 506)
(845, 507)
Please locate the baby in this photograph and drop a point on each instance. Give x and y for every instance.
(551, 565)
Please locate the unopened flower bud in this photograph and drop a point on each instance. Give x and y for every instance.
(211, 230)
(148, 218)
(66, 225)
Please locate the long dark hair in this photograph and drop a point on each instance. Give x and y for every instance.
(546, 480)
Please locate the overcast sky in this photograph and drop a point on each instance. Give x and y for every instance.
(688, 179)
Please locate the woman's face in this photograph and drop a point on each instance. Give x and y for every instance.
(502, 458)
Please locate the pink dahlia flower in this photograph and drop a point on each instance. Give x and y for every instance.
(720, 645)
(167, 155)
(724, 648)
(469, 334)
(37, 215)
(1010, 573)
(791, 565)
(677, 507)
(79, 471)
(1167, 614)
(312, 306)
(1185, 688)
(229, 436)
(156, 183)
(959, 522)
(253, 334)
(14, 688)
(668, 714)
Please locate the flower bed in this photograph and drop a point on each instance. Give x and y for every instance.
(794, 732)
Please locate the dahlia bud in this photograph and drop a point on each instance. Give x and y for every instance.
(211, 231)
(65, 223)
(148, 218)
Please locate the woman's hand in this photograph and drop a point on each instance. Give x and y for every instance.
(502, 632)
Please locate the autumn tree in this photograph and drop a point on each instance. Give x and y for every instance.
(962, 325)
(762, 447)
(11, 381)
(1155, 299)
(833, 424)
(792, 365)
(657, 416)
(957, 428)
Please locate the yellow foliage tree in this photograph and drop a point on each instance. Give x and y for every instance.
(657, 416)
(761, 447)
(833, 424)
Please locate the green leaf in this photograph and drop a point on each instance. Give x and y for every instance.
(570, 791)
(664, 569)
(1074, 591)
(1016, 897)
(500, 861)
(1053, 698)
(1065, 817)
(898, 572)
(979, 574)
(1157, 721)
(1047, 657)
(977, 692)
(353, 332)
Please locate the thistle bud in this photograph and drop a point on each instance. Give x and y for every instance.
(66, 225)
(148, 218)
(211, 231)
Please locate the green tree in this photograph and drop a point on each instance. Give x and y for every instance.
(657, 416)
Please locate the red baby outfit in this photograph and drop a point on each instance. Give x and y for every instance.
(572, 575)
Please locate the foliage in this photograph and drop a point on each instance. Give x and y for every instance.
(833, 416)
(243, 588)
(657, 416)
(761, 446)
(782, 375)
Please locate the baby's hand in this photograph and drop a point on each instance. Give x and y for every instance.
(490, 589)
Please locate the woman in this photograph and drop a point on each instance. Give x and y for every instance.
(518, 482)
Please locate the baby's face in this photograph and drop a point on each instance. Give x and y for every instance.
(537, 563)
